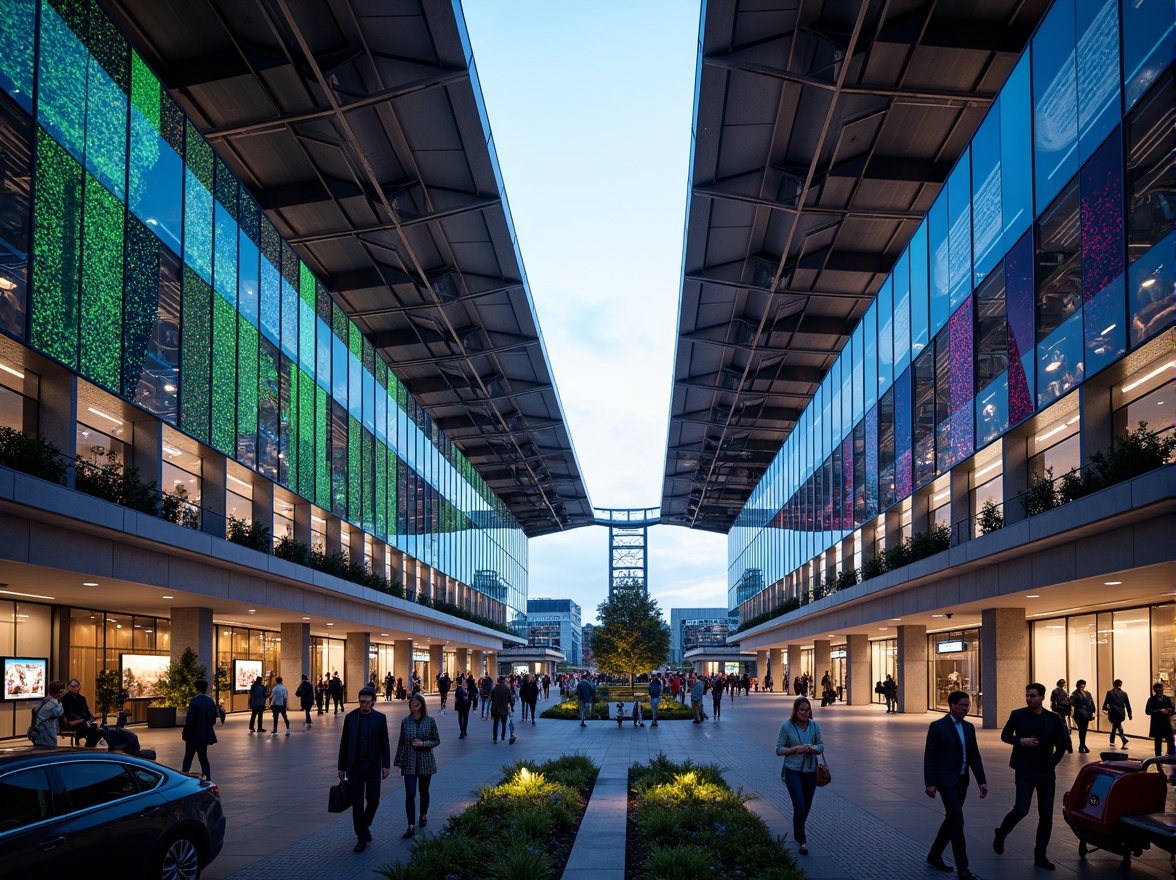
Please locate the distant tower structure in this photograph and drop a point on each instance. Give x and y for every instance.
(628, 538)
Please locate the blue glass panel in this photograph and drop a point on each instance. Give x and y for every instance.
(938, 249)
(959, 206)
(225, 281)
(248, 279)
(920, 313)
(271, 301)
(1059, 361)
(61, 81)
(992, 410)
(987, 219)
(306, 337)
(902, 312)
(1151, 282)
(197, 226)
(339, 356)
(354, 387)
(1097, 26)
(871, 356)
(847, 360)
(290, 306)
(1019, 299)
(369, 400)
(885, 304)
(18, 19)
(1147, 45)
(106, 124)
(1055, 102)
(1016, 142)
(857, 344)
(1105, 330)
(323, 354)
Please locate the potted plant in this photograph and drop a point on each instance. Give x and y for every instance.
(107, 688)
(177, 687)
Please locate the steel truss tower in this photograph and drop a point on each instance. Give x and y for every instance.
(628, 538)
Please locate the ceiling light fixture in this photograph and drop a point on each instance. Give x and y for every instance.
(1112, 583)
(89, 584)
(169, 597)
(1151, 375)
(26, 595)
(103, 415)
(1033, 596)
(8, 369)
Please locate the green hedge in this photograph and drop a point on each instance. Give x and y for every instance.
(569, 710)
(685, 821)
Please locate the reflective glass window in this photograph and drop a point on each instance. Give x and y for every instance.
(902, 312)
(1019, 308)
(987, 220)
(992, 348)
(959, 206)
(923, 427)
(271, 283)
(249, 261)
(26, 797)
(1016, 144)
(871, 359)
(1151, 217)
(920, 315)
(857, 344)
(885, 301)
(107, 85)
(1097, 27)
(156, 194)
(18, 19)
(93, 783)
(1059, 262)
(871, 469)
(903, 448)
(942, 400)
(198, 203)
(962, 382)
(1059, 361)
(938, 249)
(151, 321)
(1147, 45)
(886, 495)
(61, 75)
(1101, 190)
(992, 410)
(15, 183)
(1055, 102)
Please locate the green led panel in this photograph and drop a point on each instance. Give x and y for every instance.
(198, 223)
(18, 18)
(306, 285)
(61, 74)
(224, 376)
(57, 214)
(322, 448)
(247, 375)
(306, 413)
(140, 302)
(225, 234)
(381, 492)
(322, 303)
(382, 374)
(340, 324)
(367, 486)
(355, 341)
(289, 265)
(289, 424)
(103, 225)
(354, 463)
(391, 495)
(195, 355)
(108, 82)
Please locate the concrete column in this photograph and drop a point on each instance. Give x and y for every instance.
(295, 654)
(821, 663)
(1097, 427)
(761, 665)
(869, 533)
(912, 668)
(147, 450)
(492, 664)
(334, 531)
(379, 557)
(263, 509)
(436, 664)
(59, 666)
(1004, 663)
(462, 661)
(857, 663)
(396, 563)
(893, 519)
(921, 511)
(301, 518)
(212, 494)
(1015, 473)
(192, 628)
(356, 665)
(402, 660)
(794, 669)
(58, 413)
(961, 504)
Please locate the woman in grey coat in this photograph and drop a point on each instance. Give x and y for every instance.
(414, 756)
(46, 714)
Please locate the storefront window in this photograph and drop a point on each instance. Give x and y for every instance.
(1163, 647)
(1049, 652)
(1055, 102)
(883, 662)
(955, 666)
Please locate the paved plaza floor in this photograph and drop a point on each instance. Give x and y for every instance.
(873, 821)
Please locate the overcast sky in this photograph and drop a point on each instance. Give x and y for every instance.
(590, 107)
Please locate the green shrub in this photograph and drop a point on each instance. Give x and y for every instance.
(677, 863)
(32, 455)
(104, 476)
(521, 864)
(249, 533)
(292, 551)
(872, 567)
(991, 517)
(175, 507)
(1040, 495)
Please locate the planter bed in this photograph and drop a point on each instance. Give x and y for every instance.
(685, 822)
(667, 710)
(534, 813)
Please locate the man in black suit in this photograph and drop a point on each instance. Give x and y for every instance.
(364, 758)
(199, 729)
(950, 753)
(1039, 742)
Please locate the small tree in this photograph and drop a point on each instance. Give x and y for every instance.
(221, 681)
(177, 687)
(991, 517)
(107, 688)
(631, 635)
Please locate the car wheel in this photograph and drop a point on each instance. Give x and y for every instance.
(180, 860)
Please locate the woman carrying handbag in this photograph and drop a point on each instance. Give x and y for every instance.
(414, 757)
(799, 742)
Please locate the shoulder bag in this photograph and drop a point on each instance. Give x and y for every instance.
(339, 798)
(824, 775)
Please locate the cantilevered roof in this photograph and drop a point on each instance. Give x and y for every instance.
(360, 128)
(823, 131)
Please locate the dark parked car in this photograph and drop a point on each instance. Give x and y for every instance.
(69, 811)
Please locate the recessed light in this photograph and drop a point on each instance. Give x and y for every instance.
(306, 618)
(252, 610)
(1112, 583)
(896, 618)
(385, 635)
(89, 584)
(937, 615)
(330, 624)
(168, 597)
(1033, 596)
(883, 628)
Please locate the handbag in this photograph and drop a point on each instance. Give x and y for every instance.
(339, 798)
(824, 776)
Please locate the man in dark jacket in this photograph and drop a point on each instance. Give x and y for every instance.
(1117, 705)
(305, 695)
(1039, 743)
(200, 729)
(586, 694)
(337, 693)
(444, 683)
(364, 759)
(501, 705)
(529, 696)
(950, 753)
(257, 697)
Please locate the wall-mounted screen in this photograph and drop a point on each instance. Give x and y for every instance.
(142, 673)
(25, 678)
(245, 672)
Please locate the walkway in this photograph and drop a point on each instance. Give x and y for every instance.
(874, 821)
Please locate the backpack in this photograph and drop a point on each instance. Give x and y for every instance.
(35, 727)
